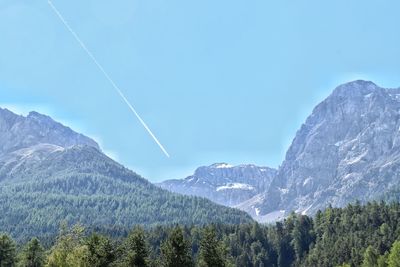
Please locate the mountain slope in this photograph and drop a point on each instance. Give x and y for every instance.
(21, 132)
(348, 149)
(224, 184)
(65, 177)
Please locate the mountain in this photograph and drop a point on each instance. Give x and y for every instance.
(224, 184)
(50, 174)
(18, 132)
(348, 149)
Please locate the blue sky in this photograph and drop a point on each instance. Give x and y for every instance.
(217, 81)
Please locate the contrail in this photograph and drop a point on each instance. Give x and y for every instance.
(114, 85)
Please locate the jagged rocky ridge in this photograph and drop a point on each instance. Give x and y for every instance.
(224, 184)
(348, 149)
(18, 132)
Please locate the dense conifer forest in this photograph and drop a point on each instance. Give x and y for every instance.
(82, 185)
(358, 235)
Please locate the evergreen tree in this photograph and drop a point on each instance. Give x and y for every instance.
(176, 251)
(33, 254)
(101, 251)
(136, 253)
(370, 257)
(212, 252)
(303, 236)
(394, 256)
(383, 260)
(7, 251)
(342, 235)
(69, 250)
(286, 254)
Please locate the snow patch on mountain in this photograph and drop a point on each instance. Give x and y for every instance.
(224, 183)
(223, 166)
(232, 186)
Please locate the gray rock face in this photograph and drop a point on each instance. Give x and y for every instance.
(18, 132)
(224, 184)
(348, 149)
(25, 141)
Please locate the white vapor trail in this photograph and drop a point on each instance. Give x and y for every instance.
(114, 85)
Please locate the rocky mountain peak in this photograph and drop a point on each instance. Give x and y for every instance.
(33, 115)
(7, 117)
(342, 152)
(4, 111)
(17, 132)
(355, 89)
(224, 183)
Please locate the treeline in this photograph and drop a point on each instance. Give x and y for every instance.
(82, 185)
(358, 235)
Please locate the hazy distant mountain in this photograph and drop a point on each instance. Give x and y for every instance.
(348, 149)
(49, 174)
(224, 184)
(21, 132)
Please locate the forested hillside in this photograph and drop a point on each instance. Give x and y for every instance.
(353, 236)
(82, 185)
(50, 174)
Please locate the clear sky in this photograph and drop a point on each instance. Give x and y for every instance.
(217, 81)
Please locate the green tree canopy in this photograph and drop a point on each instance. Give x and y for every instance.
(7, 251)
(101, 251)
(394, 256)
(370, 257)
(176, 251)
(33, 254)
(212, 252)
(69, 250)
(136, 252)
